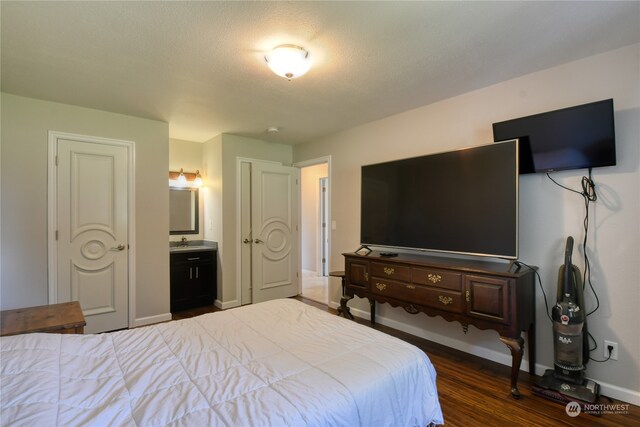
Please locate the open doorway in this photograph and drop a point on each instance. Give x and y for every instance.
(314, 213)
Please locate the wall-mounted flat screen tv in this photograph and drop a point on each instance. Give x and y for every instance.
(571, 138)
(463, 201)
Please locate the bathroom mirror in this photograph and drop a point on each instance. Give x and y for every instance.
(183, 208)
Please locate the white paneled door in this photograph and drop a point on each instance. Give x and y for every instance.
(92, 181)
(274, 216)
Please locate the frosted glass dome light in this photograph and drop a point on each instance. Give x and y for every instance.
(182, 179)
(288, 61)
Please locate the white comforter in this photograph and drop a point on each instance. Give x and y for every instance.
(279, 363)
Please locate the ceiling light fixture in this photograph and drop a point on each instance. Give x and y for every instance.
(288, 61)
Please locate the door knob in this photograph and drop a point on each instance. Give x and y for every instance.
(120, 247)
(258, 241)
(246, 241)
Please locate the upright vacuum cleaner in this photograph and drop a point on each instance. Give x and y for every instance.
(566, 382)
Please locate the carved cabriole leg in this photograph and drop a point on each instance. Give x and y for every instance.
(344, 308)
(531, 342)
(516, 345)
(372, 304)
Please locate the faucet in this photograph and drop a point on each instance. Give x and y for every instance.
(183, 242)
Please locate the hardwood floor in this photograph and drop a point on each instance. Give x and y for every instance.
(475, 392)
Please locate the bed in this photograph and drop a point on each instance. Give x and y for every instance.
(277, 363)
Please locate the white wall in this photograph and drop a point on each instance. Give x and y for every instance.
(188, 155)
(310, 205)
(25, 126)
(548, 214)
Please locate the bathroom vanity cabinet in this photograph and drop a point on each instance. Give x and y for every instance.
(193, 279)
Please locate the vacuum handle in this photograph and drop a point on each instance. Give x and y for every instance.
(568, 251)
(568, 270)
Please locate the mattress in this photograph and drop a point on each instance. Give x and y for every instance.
(277, 363)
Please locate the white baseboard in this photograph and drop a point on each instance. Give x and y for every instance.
(606, 389)
(150, 320)
(619, 393)
(227, 304)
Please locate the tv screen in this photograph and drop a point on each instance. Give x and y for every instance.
(463, 201)
(572, 138)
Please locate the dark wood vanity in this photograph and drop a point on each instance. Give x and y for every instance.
(193, 278)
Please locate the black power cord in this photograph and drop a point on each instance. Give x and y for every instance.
(589, 195)
(535, 271)
(610, 348)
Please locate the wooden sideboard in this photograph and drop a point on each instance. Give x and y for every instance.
(487, 295)
(63, 318)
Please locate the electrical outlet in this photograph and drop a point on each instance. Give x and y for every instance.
(614, 352)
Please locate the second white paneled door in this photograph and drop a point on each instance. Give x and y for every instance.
(270, 233)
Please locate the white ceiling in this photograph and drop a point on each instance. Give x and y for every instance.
(199, 65)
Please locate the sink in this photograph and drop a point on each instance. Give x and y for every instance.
(193, 246)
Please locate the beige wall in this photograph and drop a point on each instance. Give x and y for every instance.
(188, 155)
(310, 205)
(25, 126)
(548, 214)
(185, 154)
(220, 157)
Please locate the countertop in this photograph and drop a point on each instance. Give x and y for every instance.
(193, 246)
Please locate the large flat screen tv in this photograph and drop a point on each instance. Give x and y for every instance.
(571, 138)
(463, 201)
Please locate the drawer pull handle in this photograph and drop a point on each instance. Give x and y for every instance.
(381, 286)
(411, 287)
(467, 296)
(193, 259)
(445, 300)
(388, 271)
(434, 278)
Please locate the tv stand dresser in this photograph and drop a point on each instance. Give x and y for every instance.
(488, 295)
